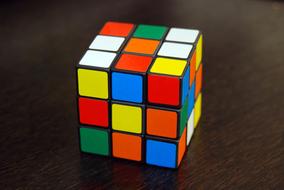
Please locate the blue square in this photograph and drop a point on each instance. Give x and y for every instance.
(127, 87)
(161, 153)
(191, 97)
(185, 85)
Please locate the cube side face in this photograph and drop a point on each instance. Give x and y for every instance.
(197, 109)
(127, 87)
(94, 141)
(163, 123)
(93, 112)
(161, 153)
(181, 146)
(164, 90)
(127, 146)
(93, 83)
(127, 118)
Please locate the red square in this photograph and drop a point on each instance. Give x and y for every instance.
(117, 29)
(132, 62)
(164, 90)
(93, 112)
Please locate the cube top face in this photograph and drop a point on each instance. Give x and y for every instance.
(142, 46)
(150, 32)
(107, 43)
(131, 62)
(175, 50)
(117, 29)
(97, 59)
(182, 35)
(168, 66)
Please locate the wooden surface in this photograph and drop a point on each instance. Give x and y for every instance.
(239, 144)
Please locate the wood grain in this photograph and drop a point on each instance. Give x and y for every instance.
(239, 144)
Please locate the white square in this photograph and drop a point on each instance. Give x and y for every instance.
(108, 43)
(97, 59)
(182, 35)
(176, 50)
(190, 127)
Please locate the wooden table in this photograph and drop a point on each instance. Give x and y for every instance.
(239, 144)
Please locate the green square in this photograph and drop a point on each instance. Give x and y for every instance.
(183, 116)
(150, 31)
(94, 141)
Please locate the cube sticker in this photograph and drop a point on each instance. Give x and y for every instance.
(127, 118)
(139, 92)
(94, 141)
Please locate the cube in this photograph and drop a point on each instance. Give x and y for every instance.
(139, 92)
(93, 112)
(165, 153)
(127, 146)
(95, 141)
(128, 117)
(129, 78)
(166, 122)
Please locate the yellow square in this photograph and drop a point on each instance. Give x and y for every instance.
(199, 52)
(197, 109)
(168, 66)
(127, 118)
(93, 83)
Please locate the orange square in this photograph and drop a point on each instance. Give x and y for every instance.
(181, 146)
(162, 123)
(198, 81)
(137, 45)
(132, 62)
(127, 146)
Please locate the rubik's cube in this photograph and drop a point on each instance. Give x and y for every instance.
(139, 92)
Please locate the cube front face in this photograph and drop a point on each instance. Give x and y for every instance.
(139, 92)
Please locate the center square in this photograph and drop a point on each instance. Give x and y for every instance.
(128, 78)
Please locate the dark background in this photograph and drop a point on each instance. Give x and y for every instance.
(239, 144)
